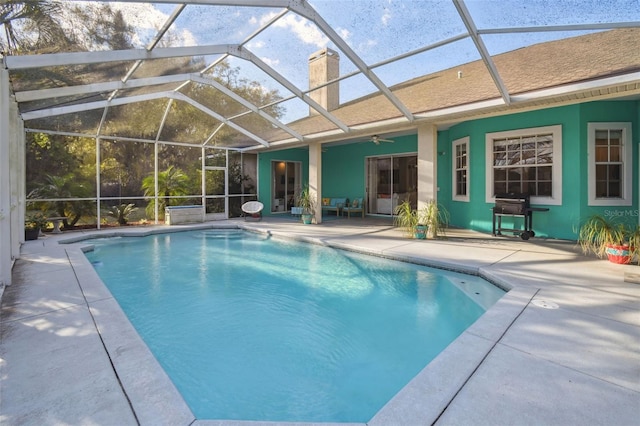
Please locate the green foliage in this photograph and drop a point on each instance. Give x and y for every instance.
(35, 220)
(37, 25)
(65, 189)
(122, 211)
(57, 155)
(306, 201)
(435, 217)
(103, 27)
(239, 183)
(124, 166)
(405, 218)
(597, 232)
(172, 182)
(432, 215)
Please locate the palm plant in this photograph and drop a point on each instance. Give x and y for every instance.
(39, 18)
(435, 217)
(432, 215)
(406, 218)
(65, 189)
(121, 212)
(307, 203)
(172, 182)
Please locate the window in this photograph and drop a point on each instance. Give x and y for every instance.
(461, 169)
(526, 161)
(610, 157)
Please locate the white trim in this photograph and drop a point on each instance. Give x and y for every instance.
(556, 190)
(627, 158)
(454, 175)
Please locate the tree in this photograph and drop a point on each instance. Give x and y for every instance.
(40, 26)
(239, 182)
(30, 25)
(172, 182)
(100, 27)
(63, 188)
(59, 155)
(123, 166)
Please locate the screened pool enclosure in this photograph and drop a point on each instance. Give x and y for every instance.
(112, 110)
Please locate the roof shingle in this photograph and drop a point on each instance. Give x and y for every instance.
(541, 66)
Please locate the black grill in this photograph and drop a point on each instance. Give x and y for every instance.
(511, 203)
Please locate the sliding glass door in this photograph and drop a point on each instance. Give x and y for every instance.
(391, 180)
(285, 184)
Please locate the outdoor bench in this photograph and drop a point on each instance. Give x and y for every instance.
(333, 205)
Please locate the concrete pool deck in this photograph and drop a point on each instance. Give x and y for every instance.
(561, 348)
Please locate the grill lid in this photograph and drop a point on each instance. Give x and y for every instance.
(511, 203)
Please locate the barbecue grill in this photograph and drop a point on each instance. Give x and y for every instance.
(515, 205)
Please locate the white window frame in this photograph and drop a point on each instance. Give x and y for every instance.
(627, 165)
(454, 168)
(556, 174)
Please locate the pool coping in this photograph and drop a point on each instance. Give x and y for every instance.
(571, 356)
(421, 401)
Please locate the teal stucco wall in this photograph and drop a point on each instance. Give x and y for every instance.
(561, 221)
(343, 166)
(264, 171)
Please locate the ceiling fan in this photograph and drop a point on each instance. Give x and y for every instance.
(377, 139)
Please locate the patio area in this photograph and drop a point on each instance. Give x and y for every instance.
(561, 348)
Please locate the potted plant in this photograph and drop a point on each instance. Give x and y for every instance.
(305, 201)
(633, 239)
(33, 223)
(604, 236)
(406, 218)
(434, 217)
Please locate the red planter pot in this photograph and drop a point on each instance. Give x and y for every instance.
(618, 254)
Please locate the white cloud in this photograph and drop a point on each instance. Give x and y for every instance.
(187, 38)
(386, 17)
(256, 44)
(368, 44)
(271, 62)
(303, 29)
(264, 19)
(344, 33)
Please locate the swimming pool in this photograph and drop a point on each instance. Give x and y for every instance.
(253, 328)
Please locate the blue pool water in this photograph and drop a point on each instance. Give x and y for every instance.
(252, 328)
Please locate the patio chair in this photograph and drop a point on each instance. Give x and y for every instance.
(355, 206)
(252, 209)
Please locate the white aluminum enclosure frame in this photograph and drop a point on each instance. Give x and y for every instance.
(299, 7)
(12, 196)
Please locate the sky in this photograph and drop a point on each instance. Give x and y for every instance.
(376, 30)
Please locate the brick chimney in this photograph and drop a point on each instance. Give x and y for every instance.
(324, 65)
